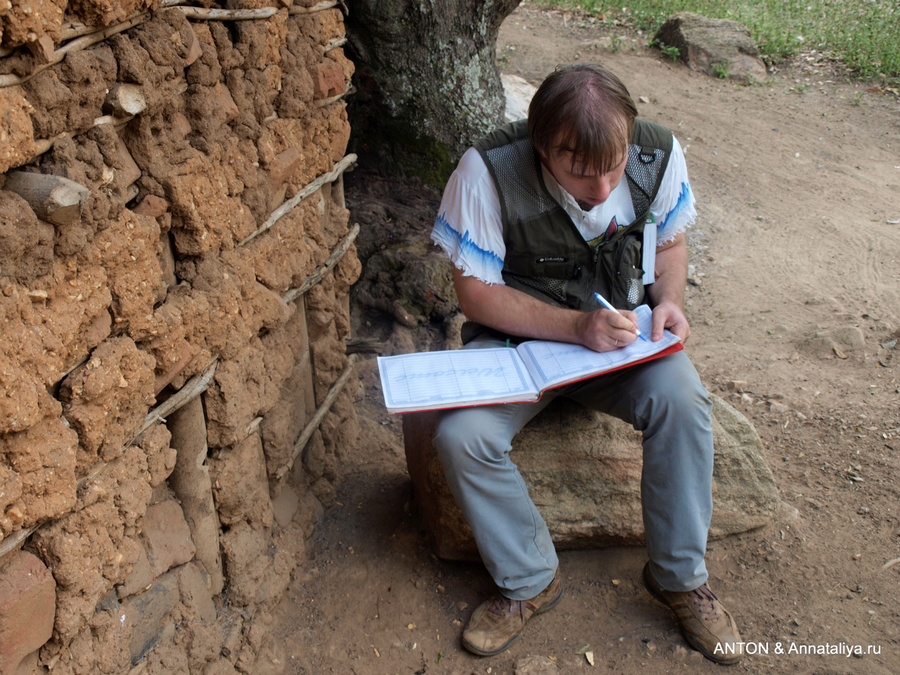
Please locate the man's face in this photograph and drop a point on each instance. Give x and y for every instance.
(586, 185)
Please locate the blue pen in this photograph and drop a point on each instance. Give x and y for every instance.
(603, 301)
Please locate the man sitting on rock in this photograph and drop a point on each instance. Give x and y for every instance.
(581, 197)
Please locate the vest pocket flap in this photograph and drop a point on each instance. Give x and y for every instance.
(536, 264)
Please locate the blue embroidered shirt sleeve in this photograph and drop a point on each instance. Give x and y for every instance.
(679, 216)
(465, 254)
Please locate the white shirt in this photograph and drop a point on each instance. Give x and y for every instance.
(470, 231)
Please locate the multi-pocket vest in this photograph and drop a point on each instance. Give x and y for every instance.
(546, 256)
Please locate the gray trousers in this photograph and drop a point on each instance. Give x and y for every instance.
(663, 399)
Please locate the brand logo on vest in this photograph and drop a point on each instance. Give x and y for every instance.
(551, 259)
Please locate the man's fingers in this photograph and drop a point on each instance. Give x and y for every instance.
(659, 325)
(624, 320)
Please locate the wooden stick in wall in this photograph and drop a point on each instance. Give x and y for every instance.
(316, 420)
(302, 194)
(326, 267)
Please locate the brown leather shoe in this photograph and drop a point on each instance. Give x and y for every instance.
(498, 622)
(706, 625)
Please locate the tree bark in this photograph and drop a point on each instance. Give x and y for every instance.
(427, 80)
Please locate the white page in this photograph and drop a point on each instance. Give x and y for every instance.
(553, 363)
(441, 379)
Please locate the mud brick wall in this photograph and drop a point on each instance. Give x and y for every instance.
(175, 265)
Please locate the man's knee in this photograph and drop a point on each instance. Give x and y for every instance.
(459, 440)
(680, 391)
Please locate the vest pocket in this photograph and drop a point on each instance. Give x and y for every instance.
(622, 260)
(545, 276)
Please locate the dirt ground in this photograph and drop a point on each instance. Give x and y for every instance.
(794, 299)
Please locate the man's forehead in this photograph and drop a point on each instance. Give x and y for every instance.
(583, 160)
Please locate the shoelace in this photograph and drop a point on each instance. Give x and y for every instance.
(705, 602)
(503, 606)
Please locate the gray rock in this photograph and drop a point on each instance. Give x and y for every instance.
(713, 46)
(536, 665)
(583, 471)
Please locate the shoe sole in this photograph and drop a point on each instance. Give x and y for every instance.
(480, 652)
(650, 585)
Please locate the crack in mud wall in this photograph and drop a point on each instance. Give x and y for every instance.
(175, 267)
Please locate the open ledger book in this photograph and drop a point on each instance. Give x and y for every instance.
(467, 377)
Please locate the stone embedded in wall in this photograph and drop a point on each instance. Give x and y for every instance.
(26, 243)
(205, 218)
(106, 400)
(259, 42)
(285, 165)
(328, 79)
(17, 144)
(154, 55)
(107, 13)
(41, 474)
(288, 252)
(94, 548)
(27, 606)
(74, 320)
(66, 97)
(151, 205)
(285, 506)
(246, 561)
(144, 613)
(26, 20)
(167, 537)
(140, 577)
(161, 456)
(240, 485)
(24, 400)
(203, 642)
(296, 404)
(242, 385)
(129, 249)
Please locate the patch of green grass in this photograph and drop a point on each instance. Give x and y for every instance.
(667, 50)
(863, 34)
(723, 70)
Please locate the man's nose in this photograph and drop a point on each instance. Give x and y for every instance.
(600, 187)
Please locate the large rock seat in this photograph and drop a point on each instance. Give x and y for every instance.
(583, 471)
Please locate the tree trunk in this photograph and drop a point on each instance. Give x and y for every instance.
(427, 79)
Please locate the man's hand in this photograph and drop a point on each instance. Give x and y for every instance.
(604, 330)
(668, 290)
(671, 316)
(512, 311)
